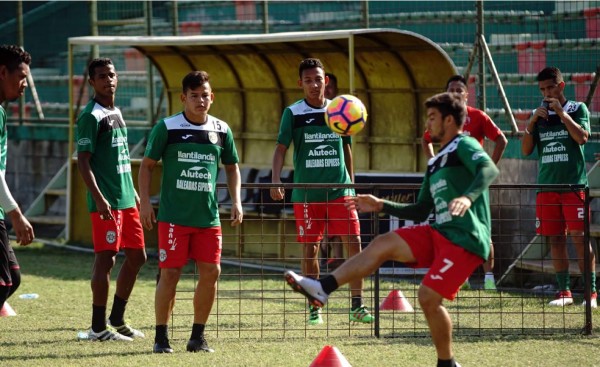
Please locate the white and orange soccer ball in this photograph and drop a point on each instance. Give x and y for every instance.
(346, 115)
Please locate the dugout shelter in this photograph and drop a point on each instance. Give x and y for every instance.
(254, 77)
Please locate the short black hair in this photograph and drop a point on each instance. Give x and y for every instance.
(449, 104)
(456, 78)
(194, 79)
(332, 78)
(96, 63)
(12, 56)
(550, 72)
(309, 63)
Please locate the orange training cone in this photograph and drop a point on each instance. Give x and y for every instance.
(330, 356)
(396, 301)
(7, 310)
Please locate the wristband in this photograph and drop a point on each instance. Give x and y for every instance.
(527, 132)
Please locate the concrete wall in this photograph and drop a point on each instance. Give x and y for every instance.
(31, 164)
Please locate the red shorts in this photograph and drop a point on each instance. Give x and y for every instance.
(312, 218)
(124, 231)
(556, 212)
(177, 244)
(449, 265)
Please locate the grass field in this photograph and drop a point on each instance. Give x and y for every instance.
(258, 322)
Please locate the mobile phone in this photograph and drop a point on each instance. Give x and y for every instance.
(545, 104)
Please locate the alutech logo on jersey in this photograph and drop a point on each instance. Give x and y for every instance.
(554, 152)
(196, 179)
(323, 151)
(438, 186)
(124, 167)
(442, 215)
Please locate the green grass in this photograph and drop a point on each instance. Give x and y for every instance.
(257, 321)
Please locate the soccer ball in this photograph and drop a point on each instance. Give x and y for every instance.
(346, 115)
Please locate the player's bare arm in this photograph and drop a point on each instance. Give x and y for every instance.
(500, 146)
(277, 193)
(147, 216)
(21, 226)
(578, 133)
(527, 143)
(234, 185)
(102, 205)
(364, 203)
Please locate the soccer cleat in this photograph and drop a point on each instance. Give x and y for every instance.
(162, 347)
(361, 314)
(127, 331)
(198, 345)
(310, 288)
(563, 298)
(489, 285)
(314, 316)
(108, 334)
(593, 300)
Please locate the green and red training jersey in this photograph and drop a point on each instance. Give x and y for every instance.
(461, 168)
(318, 152)
(190, 154)
(561, 158)
(102, 132)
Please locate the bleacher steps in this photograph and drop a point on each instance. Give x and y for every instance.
(39, 213)
(47, 220)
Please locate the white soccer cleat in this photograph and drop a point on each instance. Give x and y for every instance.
(127, 331)
(108, 335)
(563, 298)
(310, 288)
(593, 300)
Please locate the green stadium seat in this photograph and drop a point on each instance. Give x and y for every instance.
(592, 22)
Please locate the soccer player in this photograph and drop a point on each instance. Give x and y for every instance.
(191, 144)
(456, 187)
(14, 68)
(559, 129)
(479, 126)
(320, 156)
(104, 164)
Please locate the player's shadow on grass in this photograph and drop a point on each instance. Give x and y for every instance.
(64, 264)
(40, 358)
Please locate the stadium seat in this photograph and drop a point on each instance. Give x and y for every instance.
(248, 176)
(262, 197)
(222, 192)
(531, 56)
(592, 22)
(190, 28)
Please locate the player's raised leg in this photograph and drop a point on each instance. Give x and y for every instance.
(389, 246)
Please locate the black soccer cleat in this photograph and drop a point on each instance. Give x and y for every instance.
(198, 345)
(162, 347)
